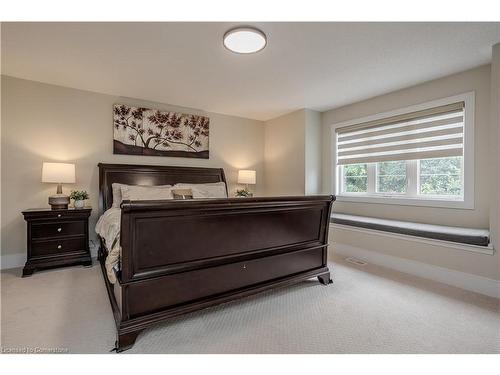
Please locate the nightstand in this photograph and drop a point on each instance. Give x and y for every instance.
(57, 238)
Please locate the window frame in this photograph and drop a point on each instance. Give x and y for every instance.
(354, 193)
(412, 198)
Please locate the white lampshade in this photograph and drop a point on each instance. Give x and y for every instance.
(246, 176)
(58, 173)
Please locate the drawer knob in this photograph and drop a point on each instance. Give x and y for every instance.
(59, 246)
(244, 266)
(58, 215)
(59, 229)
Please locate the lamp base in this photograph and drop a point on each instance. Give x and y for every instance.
(59, 202)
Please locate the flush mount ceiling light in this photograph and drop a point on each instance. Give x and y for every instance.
(245, 40)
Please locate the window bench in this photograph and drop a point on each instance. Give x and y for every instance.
(469, 236)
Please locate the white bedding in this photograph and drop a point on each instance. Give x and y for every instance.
(108, 227)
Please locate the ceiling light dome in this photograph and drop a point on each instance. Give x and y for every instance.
(245, 40)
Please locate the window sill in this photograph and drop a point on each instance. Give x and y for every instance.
(402, 201)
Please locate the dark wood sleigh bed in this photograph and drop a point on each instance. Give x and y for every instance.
(181, 256)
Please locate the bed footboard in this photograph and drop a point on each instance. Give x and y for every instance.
(181, 256)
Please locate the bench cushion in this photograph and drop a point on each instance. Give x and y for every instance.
(479, 237)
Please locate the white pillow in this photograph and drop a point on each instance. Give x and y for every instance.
(208, 190)
(117, 192)
(142, 193)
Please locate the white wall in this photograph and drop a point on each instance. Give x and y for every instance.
(495, 144)
(43, 122)
(486, 163)
(313, 152)
(293, 154)
(285, 155)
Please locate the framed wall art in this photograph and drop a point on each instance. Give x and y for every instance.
(152, 132)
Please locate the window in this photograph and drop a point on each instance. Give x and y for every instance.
(441, 176)
(420, 156)
(391, 177)
(356, 178)
(433, 178)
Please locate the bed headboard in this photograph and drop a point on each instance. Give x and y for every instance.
(150, 175)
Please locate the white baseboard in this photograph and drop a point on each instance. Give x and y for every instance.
(12, 261)
(467, 281)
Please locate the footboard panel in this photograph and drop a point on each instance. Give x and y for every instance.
(203, 284)
(160, 238)
(221, 233)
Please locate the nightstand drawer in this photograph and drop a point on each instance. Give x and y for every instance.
(71, 228)
(52, 215)
(54, 247)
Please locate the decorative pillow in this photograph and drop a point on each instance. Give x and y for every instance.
(182, 193)
(117, 192)
(209, 190)
(144, 193)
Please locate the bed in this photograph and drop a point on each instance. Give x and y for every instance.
(178, 256)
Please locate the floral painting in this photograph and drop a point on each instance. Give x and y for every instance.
(145, 131)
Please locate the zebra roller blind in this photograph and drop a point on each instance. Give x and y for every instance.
(432, 133)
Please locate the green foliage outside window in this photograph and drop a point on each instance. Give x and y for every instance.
(391, 177)
(355, 178)
(441, 176)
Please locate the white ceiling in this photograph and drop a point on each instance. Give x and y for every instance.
(305, 65)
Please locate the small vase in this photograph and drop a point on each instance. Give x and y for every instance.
(79, 203)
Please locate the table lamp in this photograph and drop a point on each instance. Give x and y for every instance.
(58, 173)
(247, 177)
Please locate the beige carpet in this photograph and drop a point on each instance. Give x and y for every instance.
(367, 310)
